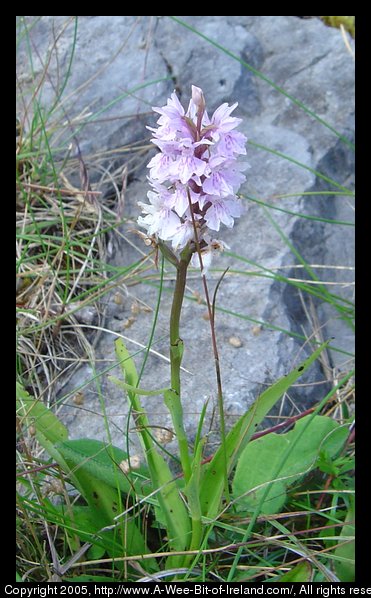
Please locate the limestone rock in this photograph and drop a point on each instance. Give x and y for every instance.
(115, 56)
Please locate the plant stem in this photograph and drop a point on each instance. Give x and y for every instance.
(176, 352)
(211, 312)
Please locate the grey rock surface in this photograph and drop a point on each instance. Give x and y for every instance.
(311, 63)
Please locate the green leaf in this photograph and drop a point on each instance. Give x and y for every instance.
(174, 405)
(34, 412)
(213, 481)
(82, 521)
(192, 491)
(136, 390)
(95, 552)
(174, 511)
(95, 467)
(198, 437)
(105, 503)
(49, 430)
(54, 453)
(126, 363)
(102, 462)
(278, 460)
(302, 572)
(172, 506)
(346, 549)
(168, 253)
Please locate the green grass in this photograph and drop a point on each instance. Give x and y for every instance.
(62, 267)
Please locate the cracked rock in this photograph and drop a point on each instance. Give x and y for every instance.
(313, 65)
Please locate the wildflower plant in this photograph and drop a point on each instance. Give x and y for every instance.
(248, 513)
(194, 180)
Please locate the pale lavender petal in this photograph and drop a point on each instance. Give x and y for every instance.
(232, 143)
(186, 166)
(212, 218)
(160, 166)
(206, 256)
(235, 207)
(169, 224)
(181, 200)
(222, 119)
(183, 233)
(217, 213)
(197, 160)
(233, 179)
(217, 184)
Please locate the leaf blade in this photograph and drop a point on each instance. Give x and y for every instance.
(34, 412)
(263, 462)
(240, 434)
(172, 506)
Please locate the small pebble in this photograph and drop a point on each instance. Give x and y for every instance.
(129, 322)
(164, 436)
(118, 298)
(135, 309)
(235, 341)
(256, 330)
(134, 464)
(86, 315)
(78, 398)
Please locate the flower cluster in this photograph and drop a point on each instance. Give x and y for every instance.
(195, 176)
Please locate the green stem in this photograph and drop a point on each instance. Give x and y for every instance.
(176, 353)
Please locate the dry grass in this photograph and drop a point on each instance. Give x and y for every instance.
(63, 232)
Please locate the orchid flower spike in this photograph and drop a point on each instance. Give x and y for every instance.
(195, 176)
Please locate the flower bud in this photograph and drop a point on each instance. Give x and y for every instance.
(198, 98)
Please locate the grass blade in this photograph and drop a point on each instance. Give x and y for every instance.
(266, 79)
